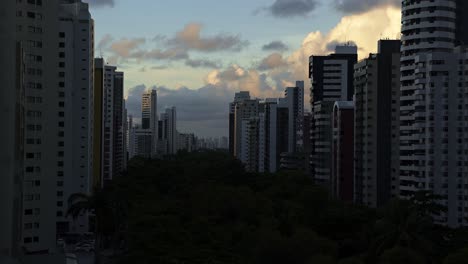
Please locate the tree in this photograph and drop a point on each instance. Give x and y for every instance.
(99, 205)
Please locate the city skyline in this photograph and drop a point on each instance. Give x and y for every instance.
(264, 53)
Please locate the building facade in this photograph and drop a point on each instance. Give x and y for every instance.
(240, 96)
(342, 177)
(433, 104)
(332, 80)
(376, 85)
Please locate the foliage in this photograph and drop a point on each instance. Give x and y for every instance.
(204, 208)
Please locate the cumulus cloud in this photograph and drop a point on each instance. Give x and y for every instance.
(360, 6)
(202, 63)
(190, 38)
(101, 3)
(386, 23)
(125, 47)
(291, 8)
(275, 46)
(105, 42)
(204, 111)
(272, 61)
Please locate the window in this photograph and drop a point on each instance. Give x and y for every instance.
(28, 212)
(62, 34)
(60, 194)
(27, 240)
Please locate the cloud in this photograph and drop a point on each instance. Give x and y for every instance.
(105, 42)
(386, 23)
(101, 3)
(275, 45)
(125, 47)
(204, 111)
(272, 61)
(360, 6)
(291, 8)
(202, 63)
(190, 38)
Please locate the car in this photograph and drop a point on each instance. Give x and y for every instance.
(71, 259)
(61, 243)
(84, 247)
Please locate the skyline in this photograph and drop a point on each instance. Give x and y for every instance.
(200, 61)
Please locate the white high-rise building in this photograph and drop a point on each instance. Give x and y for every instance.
(109, 136)
(10, 175)
(75, 80)
(434, 105)
(294, 100)
(47, 50)
(171, 128)
(149, 117)
(332, 81)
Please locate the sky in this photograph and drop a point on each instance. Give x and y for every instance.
(198, 54)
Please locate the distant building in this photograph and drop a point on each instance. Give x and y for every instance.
(244, 110)
(141, 143)
(249, 143)
(342, 177)
(294, 100)
(149, 115)
(377, 89)
(240, 96)
(332, 80)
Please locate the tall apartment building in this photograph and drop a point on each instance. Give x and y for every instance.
(244, 110)
(171, 114)
(250, 143)
(140, 142)
(332, 80)
(294, 100)
(167, 132)
(146, 110)
(342, 177)
(376, 86)
(149, 116)
(108, 123)
(240, 96)
(44, 159)
(433, 104)
(10, 170)
(75, 81)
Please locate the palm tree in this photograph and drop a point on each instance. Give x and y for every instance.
(403, 225)
(98, 204)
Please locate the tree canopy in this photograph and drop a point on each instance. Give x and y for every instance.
(204, 208)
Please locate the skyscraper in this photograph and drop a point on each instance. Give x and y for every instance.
(47, 52)
(149, 115)
(240, 96)
(146, 110)
(433, 104)
(332, 80)
(75, 71)
(342, 173)
(294, 100)
(376, 82)
(109, 126)
(243, 110)
(172, 138)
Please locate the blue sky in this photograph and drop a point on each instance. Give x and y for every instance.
(202, 52)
